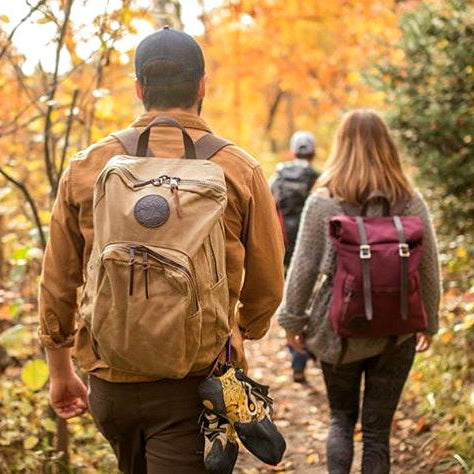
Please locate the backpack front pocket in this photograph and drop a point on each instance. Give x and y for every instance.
(146, 318)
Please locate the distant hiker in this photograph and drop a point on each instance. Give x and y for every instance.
(176, 244)
(290, 187)
(365, 306)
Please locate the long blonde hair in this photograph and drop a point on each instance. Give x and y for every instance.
(364, 158)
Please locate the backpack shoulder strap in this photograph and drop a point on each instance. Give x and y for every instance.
(350, 209)
(128, 138)
(208, 145)
(395, 209)
(399, 206)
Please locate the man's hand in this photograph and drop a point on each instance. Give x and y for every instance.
(423, 342)
(67, 392)
(296, 341)
(68, 396)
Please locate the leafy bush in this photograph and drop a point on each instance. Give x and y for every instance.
(442, 382)
(429, 85)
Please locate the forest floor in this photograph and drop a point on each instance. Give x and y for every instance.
(301, 413)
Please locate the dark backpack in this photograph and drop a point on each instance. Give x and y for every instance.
(377, 289)
(290, 189)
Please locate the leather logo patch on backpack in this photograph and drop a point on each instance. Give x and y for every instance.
(152, 210)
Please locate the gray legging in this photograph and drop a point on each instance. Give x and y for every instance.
(383, 386)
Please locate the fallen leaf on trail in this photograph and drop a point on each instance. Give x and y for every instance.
(421, 425)
(281, 423)
(405, 424)
(281, 467)
(30, 442)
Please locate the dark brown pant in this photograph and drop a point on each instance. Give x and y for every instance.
(152, 426)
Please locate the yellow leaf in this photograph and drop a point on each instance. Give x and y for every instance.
(461, 252)
(30, 442)
(35, 374)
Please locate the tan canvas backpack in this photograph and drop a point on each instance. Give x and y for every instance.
(157, 278)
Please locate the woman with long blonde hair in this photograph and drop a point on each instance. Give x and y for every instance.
(364, 159)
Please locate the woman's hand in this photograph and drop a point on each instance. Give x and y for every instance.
(423, 342)
(296, 341)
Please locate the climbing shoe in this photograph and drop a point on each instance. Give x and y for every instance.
(247, 406)
(220, 444)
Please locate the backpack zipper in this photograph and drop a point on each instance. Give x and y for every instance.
(133, 249)
(174, 182)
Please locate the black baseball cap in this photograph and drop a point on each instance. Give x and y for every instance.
(169, 45)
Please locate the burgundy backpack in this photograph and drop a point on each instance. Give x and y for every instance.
(377, 290)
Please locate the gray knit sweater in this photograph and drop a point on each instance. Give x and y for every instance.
(308, 291)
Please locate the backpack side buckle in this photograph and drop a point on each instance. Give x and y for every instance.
(365, 252)
(403, 250)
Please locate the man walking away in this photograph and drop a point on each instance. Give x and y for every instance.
(291, 187)
(151, 421)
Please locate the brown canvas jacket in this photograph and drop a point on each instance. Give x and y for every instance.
(254, 249)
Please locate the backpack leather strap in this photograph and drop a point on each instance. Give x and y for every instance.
(365, 262)
(144, 137)
(404, 252)
(128, 138)
(206, 147)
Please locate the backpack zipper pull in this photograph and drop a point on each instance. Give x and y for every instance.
(174, 186)
(131, 263)
(146, 266)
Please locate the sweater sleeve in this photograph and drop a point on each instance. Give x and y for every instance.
(429, 265)
(304, 266)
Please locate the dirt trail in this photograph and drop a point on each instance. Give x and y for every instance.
(302, 416)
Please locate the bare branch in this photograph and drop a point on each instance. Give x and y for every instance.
(273, 110)
(70, 119)
(12, 33)
(49, 160)
(34, 209)
(20, 126)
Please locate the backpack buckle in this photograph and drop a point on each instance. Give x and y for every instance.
(403, 250)
(365, 252)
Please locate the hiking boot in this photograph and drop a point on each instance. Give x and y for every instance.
(220, 444)
(299, 377)
(247, 406)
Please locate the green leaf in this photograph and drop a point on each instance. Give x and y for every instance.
(21, 254)
(49, 425)
(14, 337)
(35, 374)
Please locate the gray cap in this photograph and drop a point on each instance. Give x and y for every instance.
(303, 143)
